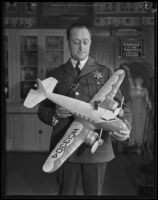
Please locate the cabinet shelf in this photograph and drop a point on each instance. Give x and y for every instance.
(54, 50)
(29, 67)
(28, 50)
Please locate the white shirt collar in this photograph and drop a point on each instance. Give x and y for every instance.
(82, 62)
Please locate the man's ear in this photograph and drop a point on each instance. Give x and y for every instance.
(66, 46)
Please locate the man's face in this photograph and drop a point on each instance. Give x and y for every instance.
(79, 43)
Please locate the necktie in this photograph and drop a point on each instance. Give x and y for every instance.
(78, 70)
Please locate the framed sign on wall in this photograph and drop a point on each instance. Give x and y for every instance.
(132, 48)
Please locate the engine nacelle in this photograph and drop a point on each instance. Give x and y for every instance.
(91, 138)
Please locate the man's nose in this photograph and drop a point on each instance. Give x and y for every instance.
(81, 46)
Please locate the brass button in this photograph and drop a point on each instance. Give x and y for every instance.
(77, 93)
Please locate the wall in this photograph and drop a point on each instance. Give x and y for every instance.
(110, 23)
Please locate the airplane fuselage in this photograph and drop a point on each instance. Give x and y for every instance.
(100, 118)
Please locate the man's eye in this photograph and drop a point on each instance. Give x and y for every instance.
(85, 42)
(76, 42)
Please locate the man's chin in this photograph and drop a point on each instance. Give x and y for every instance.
(82, 57)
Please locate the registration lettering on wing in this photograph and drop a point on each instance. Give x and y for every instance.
(73, 131)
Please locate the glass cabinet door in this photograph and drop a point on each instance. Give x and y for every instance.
(54, 53)
(55, 49)
(28, 63)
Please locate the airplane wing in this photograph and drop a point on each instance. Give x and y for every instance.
(110, 87)
(73, 138)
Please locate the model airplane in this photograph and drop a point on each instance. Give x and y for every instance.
(100, 113)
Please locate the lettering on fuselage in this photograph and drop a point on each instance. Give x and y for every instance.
(66, 142)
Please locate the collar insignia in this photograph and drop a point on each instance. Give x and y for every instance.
(98, 75)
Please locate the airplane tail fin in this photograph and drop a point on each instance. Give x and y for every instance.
(36, 96)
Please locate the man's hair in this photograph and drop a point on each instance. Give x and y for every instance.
(76, 25)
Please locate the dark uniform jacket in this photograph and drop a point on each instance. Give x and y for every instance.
(91, 79)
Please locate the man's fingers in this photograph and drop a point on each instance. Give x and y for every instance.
(121, 113)
(65, 115)
(125, 132)
(119, 136)
(62, 112)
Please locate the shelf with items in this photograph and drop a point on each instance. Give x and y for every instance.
(54, 53)
(54, 43)
(28, 63)
(54, 58)
(28, 43)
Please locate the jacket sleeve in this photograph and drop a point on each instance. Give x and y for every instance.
(47, 109)
(46, 112)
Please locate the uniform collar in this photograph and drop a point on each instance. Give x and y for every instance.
(82, 62)
(89, 67)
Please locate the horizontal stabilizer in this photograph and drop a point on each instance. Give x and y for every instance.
(34, 97)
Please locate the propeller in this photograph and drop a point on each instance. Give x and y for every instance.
(118, 110)
(98, 143)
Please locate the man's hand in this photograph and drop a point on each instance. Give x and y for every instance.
(62, 112)
(122, 135)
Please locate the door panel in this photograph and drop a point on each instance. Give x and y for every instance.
(103, 50)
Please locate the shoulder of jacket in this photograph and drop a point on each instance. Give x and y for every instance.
(105, 67)
(58, 69)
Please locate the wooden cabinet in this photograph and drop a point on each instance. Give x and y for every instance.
(26, 133)
(28, 55)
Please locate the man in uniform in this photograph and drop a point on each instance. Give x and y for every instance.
(80, 77)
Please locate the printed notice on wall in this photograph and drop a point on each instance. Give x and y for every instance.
(132, 48)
